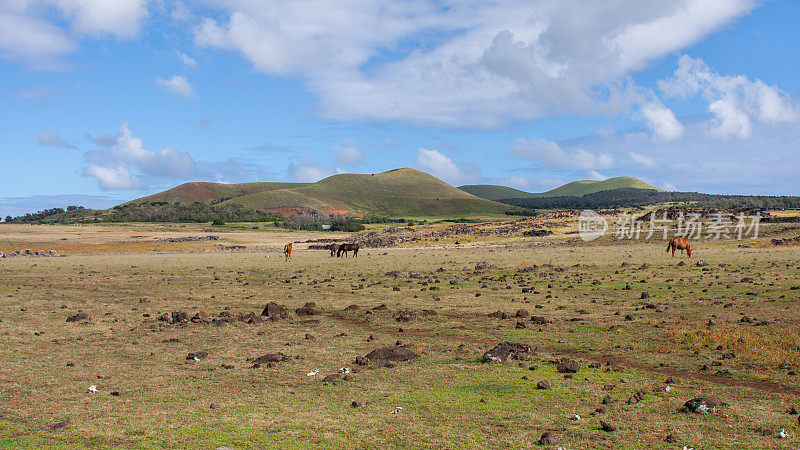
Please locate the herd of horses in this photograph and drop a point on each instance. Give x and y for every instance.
(336, 250)
(676, 243)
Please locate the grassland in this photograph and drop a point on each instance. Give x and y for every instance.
(573, 189)
(589, 293)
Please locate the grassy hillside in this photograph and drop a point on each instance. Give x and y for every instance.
(399, 192)
(574, 189)
(493, 192)
(209, 192)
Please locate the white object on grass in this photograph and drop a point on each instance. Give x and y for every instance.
(93, 388)
(312, 373)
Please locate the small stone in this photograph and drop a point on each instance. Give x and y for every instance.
(355, 404)
(548, 438)
(543, 385)
(607, 427)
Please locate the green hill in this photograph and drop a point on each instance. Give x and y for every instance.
(399, 192)
(574, 189)
(212, 192)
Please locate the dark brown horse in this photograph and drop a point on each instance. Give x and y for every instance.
(681, 244)
(346, 248)
(287, 251)
(333, 247)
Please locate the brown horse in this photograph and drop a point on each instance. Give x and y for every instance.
(333, 247)
(287, 251)
(346, 248)
(681, 244)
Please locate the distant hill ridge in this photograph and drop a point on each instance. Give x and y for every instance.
(395, 193)
(573, 189)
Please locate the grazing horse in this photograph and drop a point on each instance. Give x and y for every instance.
(346, 248)
(681, 244)
(287, 251)
(333, 247)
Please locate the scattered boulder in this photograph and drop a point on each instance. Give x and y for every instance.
(544, 384)
(351, 308)
(567, 366)
(701, 263)
(274, 312)
(539, 320)
(78, 317)
(607, 427)
(332, 378)
(700, 405)
(271, 357)
(506, 350)
(308, 309)
(405, 315)
(196, 356)
(522, 313)
(393, 353)
(180, 317)
(548, 438)
(499, 315)
(483, 265)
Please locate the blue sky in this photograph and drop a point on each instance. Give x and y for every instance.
(105, 101)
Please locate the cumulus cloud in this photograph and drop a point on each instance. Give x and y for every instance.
(113, 177)
(40, 33)
(469, 64)
(442, 167)
(595, 175)
(309, 171)
(643, 160)
(50, 139)
(552, 155)
(112, 163)
(187, 60)
(347, 154)
(177, 85)
(735, 102)
(516, 181)
(661, 121)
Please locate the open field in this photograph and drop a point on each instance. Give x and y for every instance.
(629, 315)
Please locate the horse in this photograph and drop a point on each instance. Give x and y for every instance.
(346, 248)
(333, 247)
(681, 244)
(287, 251)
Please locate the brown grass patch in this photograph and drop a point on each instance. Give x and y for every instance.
(765, 347)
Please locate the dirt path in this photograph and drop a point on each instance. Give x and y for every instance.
(764, 386)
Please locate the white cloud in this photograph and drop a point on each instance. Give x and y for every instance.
(113, 177)
(118, 154)
(347, 154)
(308, 171)
(442, 167)
(40, 33)
(643, 160)
(472, 64)
(734, 101)
(121, 18)
(552, 155)
(187, 60)
(50, 139)
(661, 121)
(33, 41)
(595, 175)
(516, 181)
(177, 85)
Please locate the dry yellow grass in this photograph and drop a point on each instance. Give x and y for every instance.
(47, 364)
